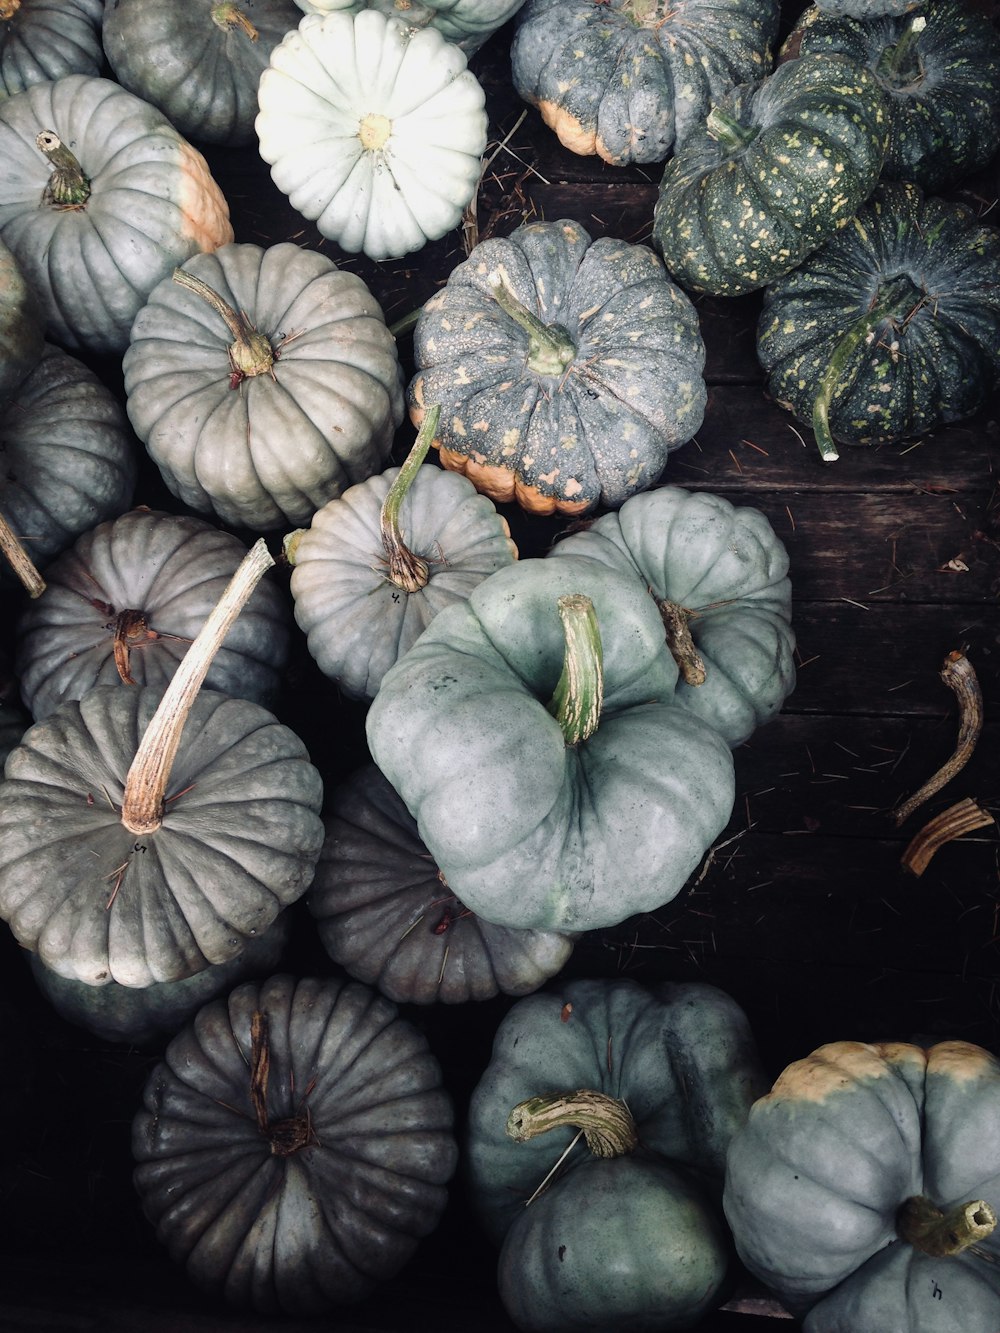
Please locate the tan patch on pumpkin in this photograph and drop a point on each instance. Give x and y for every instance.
(962, 1062)
(840, 1066)
(570, 133)
(202, 203)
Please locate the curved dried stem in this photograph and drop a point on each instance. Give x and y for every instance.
(960, 677)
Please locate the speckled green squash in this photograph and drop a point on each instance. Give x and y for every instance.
(775, 169)
(629, 79)
(47, 39)
(866, 9)
(939, 66)
(864, 1187)
(719, 575)
(893, 327)
(567, 369)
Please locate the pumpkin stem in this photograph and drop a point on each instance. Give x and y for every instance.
(677, 623)
(922, 1224)
(146, 783)
(285, 1136)
(607, 1123)
(67, 187)
(374, 131)
(8, 8)
(550, 348)
(727, 131)
(131, 630)
(963, 817)
(900, 66)
(959, 675)
(228, 15)
(251, 352)
(579, 695)
(19, 560)
(407, 570)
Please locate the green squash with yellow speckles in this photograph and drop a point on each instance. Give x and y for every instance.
(776, 169)
(893, 327)
(566, 368)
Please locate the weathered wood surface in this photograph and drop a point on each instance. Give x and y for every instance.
(802, 910)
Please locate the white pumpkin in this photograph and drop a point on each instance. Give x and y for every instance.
(374, 131)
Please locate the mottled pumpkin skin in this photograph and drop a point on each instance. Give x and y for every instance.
(385, 914)
(47, 39)
(943, 94)
(905, 305)
(329, 1197)
(597, 429)
(629, 79)
(735, 212)
(815, 1179)
(21, 335)
(866, 9)
(727, 572)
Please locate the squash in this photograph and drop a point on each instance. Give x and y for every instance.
(145, 862)
(533, 734)
(385, 914)
(41, 40)
(867, 9)
(776, 168)
(376, 565)
(21, 334)
(863, 1189)
(624, 1229)
(100, 198)
(126, 601)
(630, 79)
(939, 66)
(467, 23)
(719, 576)
(893, 327)
(69, 458)
(294, 1145)
(263, 382)
(567, 369)
(199, 62)
(373, 131)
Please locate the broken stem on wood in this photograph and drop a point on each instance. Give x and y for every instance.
(960, 677)
(963, 817)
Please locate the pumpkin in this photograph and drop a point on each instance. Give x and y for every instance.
(263, 383)
(467, 23)
(630, 79)
(776, 168)
(566, 368)
(126, 601)
(144, 862)
(719, 576)
(939, 66)
(893, 327)
(99, 199)
(376, 565)
(863, 1188)
(69, 458)
(42, 40)
(199, 62)
(867, 9)
(385, 914)
(533, 734)
(373, 131)
(627, 1230)
(21, 334)
(295, 1144)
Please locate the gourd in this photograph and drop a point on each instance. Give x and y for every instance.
(719, 576)
(863, 1188)
(295, 1144)
(775, 169)
(566, 369)
(467, 23)
(42, 40)
(69, 458)
(630, 79)
(263, 382)
(199, 62)
(892, 328)
(533, 734)
(100, 198)
(867, 9)
(376, 565)
(373, 131)
(21, 335)
(623, 1229)
(142, 864)
(939, 66)
(126, 601)
(385, 914)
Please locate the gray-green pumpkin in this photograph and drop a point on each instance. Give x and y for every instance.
(893, 327)
(21, 334)
(42, 40)
(939, 66)
(775, 169)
